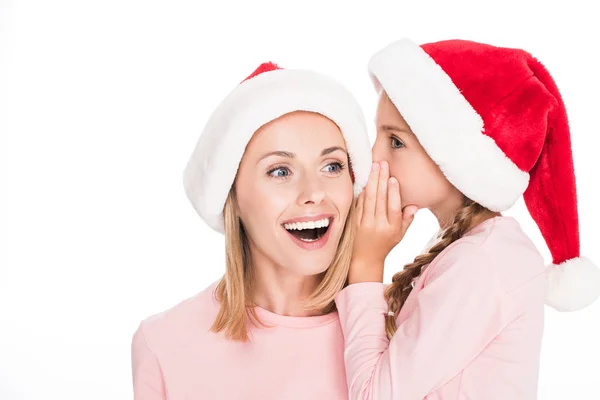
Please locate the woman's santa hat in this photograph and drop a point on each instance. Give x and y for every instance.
(493, 120)
(265, 95)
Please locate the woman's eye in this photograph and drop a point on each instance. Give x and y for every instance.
(396, 143)
(279, 172)
(334, 168)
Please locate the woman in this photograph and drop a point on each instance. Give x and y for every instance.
(276, 170)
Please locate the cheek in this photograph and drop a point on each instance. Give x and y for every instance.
(340, 192)
(406, 169)
(421, 181)
(261, 205)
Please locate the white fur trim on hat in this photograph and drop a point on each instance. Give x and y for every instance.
(447, 126)
(213, 165)
(572, 285)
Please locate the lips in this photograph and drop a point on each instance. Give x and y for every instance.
(309, 233)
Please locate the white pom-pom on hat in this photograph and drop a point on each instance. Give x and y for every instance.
(572, 285)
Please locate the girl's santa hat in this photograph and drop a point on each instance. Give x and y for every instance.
(493, 120)
(267, 94)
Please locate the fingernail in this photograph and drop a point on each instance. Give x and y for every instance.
(393, 181)
(375, 166)
(384, 164)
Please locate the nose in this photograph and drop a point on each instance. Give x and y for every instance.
(311, 192)
(380, 149)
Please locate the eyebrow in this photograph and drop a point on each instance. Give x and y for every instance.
(330, 150)
(394, 128)
(279, 153)
(288, 154)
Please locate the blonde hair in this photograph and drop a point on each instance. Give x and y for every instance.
(234, 290)
(402, 282)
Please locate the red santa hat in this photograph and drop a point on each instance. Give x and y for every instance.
(267, 94)
(493, 120)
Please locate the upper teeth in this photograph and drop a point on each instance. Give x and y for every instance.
(322, 223)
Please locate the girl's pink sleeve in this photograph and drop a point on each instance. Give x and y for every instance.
(147, 376)
(457, 313)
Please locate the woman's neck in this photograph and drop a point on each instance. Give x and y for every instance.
(281, 291)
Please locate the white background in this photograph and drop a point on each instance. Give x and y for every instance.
(102, 103)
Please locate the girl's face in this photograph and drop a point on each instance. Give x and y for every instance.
(294, 192)
(422, 183)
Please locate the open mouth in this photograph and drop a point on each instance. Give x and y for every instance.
(308, 231)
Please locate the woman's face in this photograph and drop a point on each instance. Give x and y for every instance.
(294, 192)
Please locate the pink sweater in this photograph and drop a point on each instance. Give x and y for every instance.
(470, 329)
(175, 357)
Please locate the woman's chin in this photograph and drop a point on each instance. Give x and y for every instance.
(311, 269)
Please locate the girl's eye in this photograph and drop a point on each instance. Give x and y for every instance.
(334, 168)
(279, 172)
(396, 143)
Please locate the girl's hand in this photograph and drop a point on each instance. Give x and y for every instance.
(381, 225)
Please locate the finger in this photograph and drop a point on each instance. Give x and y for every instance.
(382, 193)
(408, 216)
(359, 206)
(371, 193)
(394, 207)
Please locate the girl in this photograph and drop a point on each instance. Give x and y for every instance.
(276, 170)
(464, 129)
